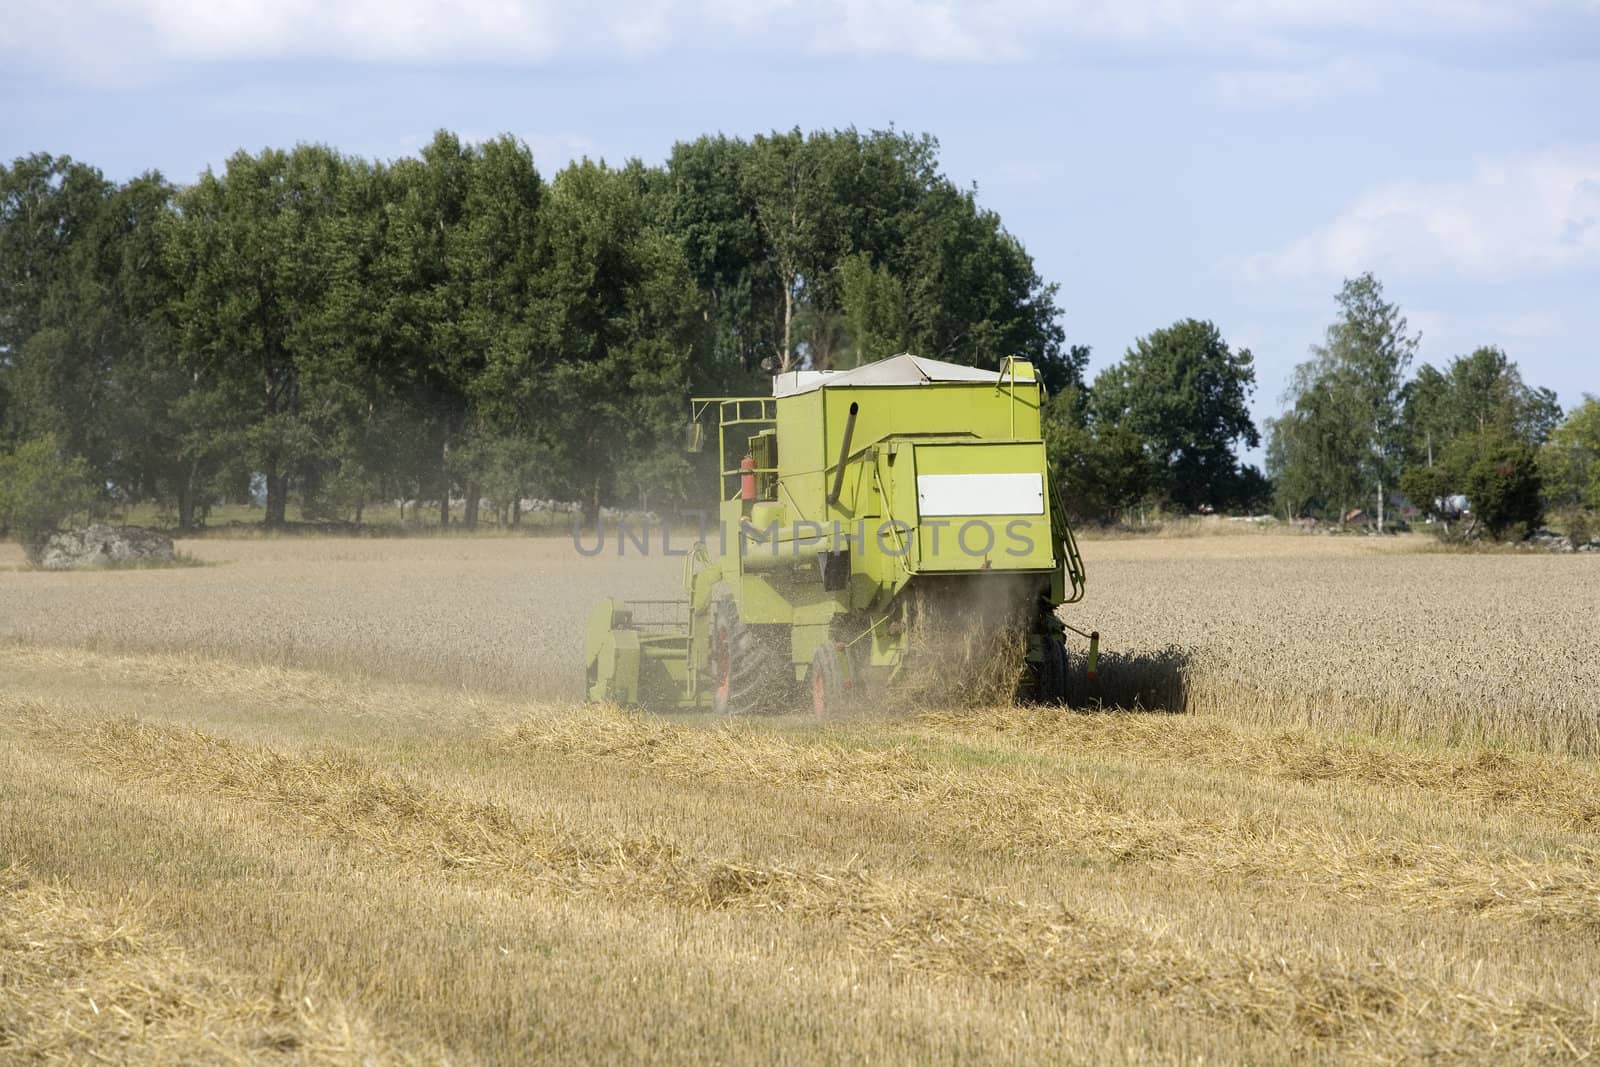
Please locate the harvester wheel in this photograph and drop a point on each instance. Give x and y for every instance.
(1052, 671)
(746, 672)
(825, 681)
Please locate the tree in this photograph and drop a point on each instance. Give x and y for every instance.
(87, 301)
(40, 488)
(497, 260)
(702, 198)
(786, 178)
(1186, 392)
(257, 255)
(435, 354)
(875, 309)
(334, 330)
(841, 245)
(615, 328)
(1102, 472)
(1497, 472)
(47, 206)
(1314, 450)
(1480, 391)
(1102, 469)
(1570, 462)
(1343, 429)
(508, 466)
(974, 296)
(46, 203)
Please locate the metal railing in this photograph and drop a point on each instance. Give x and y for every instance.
(736, 411)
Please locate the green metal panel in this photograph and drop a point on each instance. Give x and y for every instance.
(760, 602)
(811, 428)
(619, 680)
(979, 539)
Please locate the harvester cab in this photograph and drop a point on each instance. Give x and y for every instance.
(893, 526)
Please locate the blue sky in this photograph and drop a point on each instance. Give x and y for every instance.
(1159, 158)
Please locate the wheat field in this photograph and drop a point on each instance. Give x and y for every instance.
(319, 801)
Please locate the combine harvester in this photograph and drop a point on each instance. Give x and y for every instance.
(887, 525)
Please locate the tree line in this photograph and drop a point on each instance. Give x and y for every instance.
(1362, 433)
(311, 326)
(454, 325)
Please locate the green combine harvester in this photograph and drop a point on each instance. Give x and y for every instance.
(885, 526)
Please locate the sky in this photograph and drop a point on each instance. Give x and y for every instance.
(1231, 160)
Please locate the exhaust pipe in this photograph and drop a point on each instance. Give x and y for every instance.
(844, 453)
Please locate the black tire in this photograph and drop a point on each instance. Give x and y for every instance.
(1052, 688)
(825, 682)
(747, 673)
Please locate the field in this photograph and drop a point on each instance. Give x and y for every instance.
(326, 801)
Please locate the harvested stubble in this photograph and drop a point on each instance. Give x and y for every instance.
(81, 981)
(1564, 790)
(941, 930)
(1027, 809)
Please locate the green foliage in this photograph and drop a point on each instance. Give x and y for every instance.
(506, 467)
(1579, 525)
(258, 258)
(1102, 469)
(40, 488)
(1355, 424)
(1342, 438)
(455, 325)
(1424, 485)
(1186, 393)
(876, 309)
(451, 324)
(1496, 471)
(82, 302)
(1248, 491)
(1476, 392)
(829, 248)
(1500, 476)
(1570, 461)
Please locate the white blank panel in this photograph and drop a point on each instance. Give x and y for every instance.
(980, 494)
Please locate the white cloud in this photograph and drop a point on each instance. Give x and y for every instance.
(937, 31)
(1526, 214)
(1283, 37)
(364, 29)
(1284, 32)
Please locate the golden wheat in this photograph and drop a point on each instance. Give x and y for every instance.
(1359, 635)
(82, 981)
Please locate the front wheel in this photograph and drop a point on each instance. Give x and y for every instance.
(745, 670)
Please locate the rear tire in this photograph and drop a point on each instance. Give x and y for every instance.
(747, 674)
(1052, 671)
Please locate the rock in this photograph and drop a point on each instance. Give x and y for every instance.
(101, 546)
